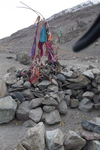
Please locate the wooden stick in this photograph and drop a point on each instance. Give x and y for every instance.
(27, 7)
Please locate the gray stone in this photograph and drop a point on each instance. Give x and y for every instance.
(10, 78)
(44, 84)
(27, 94)
(97, 106)
(23, 58)
(94, 145)
(50, 102)
(91, 126)
(74, 103)
(60, 95)
(68, 74)
(17, 96)
(73, 141)
(68, 92)
(78, 83)
(54, 82)
(7, 109)
(97, 79)
(52, 88)
(79, 96)
(54, 139)
(86, 105)
(52, 117)
(89, 74)
(95, 71)
(23, 110)
(27, 85)
(37, 94)
(36, 114)
(61, 77)
(94, 84)
(48, 109)
(20, 147)
(61, 148)
(29, 123)
(11, 69)
(67, 99)
(35, 138)
(88, 135)
(88, 95)
(91, 66)
(62, 107)
(96, 98)
(20, 81)
(35, 102)
(3, 89)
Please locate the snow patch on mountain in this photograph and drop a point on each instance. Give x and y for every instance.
(75, 8)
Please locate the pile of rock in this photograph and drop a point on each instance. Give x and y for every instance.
(48, 98)
(38, 138)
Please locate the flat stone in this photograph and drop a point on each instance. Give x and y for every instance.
(18, 96)
(48, 109)
(50, 102)
(91, 126)
(44, 84)
(52, 88)
(35, 102)
(88, 135)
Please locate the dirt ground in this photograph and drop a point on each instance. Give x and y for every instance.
(13, 132)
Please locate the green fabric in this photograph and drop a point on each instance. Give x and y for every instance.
(60, 35)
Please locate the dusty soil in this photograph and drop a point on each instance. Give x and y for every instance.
(13, 132)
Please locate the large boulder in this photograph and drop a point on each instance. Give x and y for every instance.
(35, 138)
(23, 58)
(7, 109)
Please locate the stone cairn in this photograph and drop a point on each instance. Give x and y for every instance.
(44, 101)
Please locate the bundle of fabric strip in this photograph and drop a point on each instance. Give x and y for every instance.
(45, 42)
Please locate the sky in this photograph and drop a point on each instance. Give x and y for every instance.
(13, 18)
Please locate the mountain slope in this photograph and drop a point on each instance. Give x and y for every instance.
(74, 24)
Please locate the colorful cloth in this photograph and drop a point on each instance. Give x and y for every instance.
(34, 44)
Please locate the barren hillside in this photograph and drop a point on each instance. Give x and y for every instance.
(74, 25)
